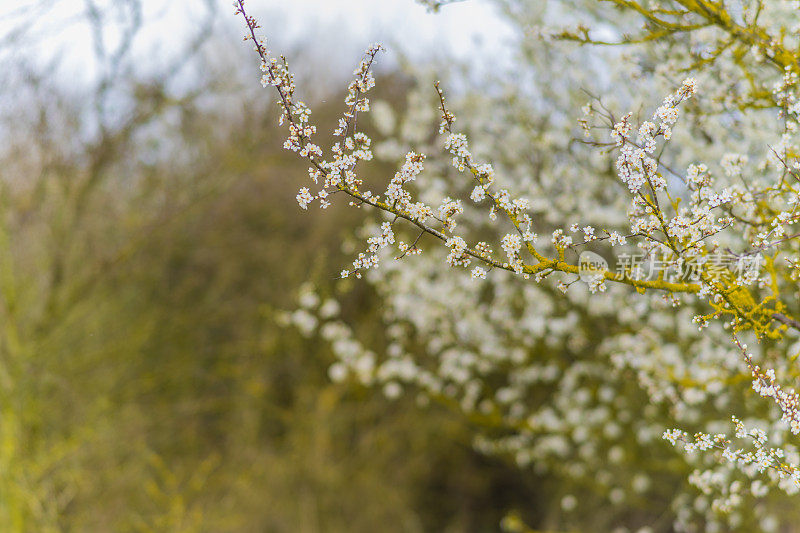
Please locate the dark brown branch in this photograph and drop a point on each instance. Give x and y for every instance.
(792, 323)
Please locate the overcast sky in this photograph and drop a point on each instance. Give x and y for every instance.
(461, 28)
(342, 27)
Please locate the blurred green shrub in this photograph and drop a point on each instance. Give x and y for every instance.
(146, 383)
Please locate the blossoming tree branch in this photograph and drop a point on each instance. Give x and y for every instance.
(678, 216)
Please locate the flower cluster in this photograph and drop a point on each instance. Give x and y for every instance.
(636, 165)
(764, 383)
(763, 458)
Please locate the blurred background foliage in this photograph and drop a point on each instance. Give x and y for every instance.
(149, 245)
